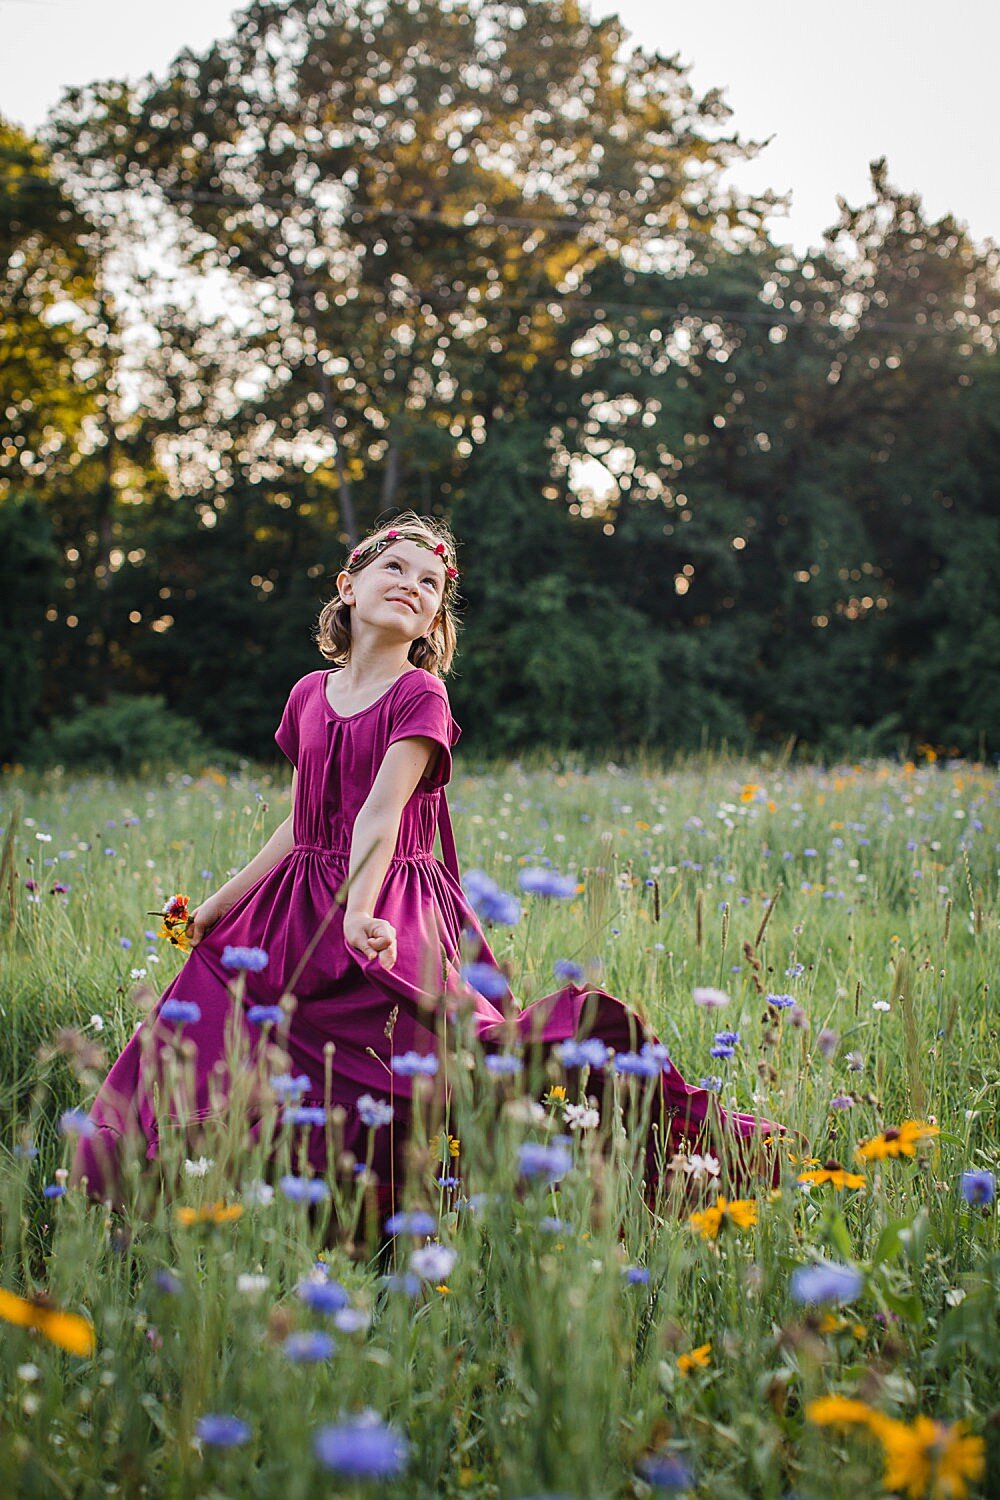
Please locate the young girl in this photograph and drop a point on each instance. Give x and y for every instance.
(371, 742)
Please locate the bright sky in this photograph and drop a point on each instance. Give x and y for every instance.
(911, 80)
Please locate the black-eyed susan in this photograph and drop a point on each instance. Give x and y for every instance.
(66, 1330)
(832, 1172)
(210, 1213)
(695, 1359)
(740, 1212)
(897, 1140)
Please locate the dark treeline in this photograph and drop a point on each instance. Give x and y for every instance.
(479, 260)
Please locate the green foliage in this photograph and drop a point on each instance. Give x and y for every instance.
(126, 734)
(28, 574)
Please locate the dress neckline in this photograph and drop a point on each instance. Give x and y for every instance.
(374, 704)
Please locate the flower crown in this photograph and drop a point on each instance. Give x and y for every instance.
(370, 550)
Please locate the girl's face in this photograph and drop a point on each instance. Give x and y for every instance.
(400, 592)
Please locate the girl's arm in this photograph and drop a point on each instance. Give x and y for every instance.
(373, 843)
(214, 907)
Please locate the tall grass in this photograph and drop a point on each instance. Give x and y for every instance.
(552, 1356)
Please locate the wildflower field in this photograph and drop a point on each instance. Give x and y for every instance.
(815, 945)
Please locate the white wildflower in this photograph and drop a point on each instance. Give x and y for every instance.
(199, 1168)
(581, 1117)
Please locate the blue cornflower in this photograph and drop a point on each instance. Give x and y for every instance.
(637, 1275)
(286, 1087)
(433, 1262)
(180, 1011)
(551, 1225)
(304, 1189)
(362, 1448)
(665, 1472)
(550, 1162)
(252, 959)
(305, 1114)
(502, 1063)
(402, 1281)
(409, 1063)
(722, 1050)
(978, 1188)
(323, 1296)
(658, 1052)
(489, 901)
(263, 1015)
(25, 1151)
(124, 942)
(485, 978)
(727, 1038)
(415, 1222)
(53, 1190)
(374, 1112)
(565, 968)
(634, 1063)
(448, 1182)
(794, 970)
(826, 1281)
(308, 1348)
(591, 1053)
(167, 1282)
(713, 1083)
(77, 1122)
(809, 853)
(218, 1430)
(538, 881)
(781, 1002)
(150, 935)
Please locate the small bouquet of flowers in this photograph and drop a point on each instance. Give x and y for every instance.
(176, 921)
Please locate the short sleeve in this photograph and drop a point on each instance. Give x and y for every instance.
(287, 733)
(426, 713)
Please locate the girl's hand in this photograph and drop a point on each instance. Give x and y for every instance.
(204, 918)
(372, 936)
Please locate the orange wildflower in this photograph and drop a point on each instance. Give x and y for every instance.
(833, 1173)
(741, 1212)
(699, 1358)
(66, 1330)
(897, 1140)
(211, 1213)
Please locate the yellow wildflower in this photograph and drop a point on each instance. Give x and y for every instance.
(742, 1212)
(444, 1146)
(556, 1094)
(211, 1213)
(930, 1459)
(699, 1358)
(444, 1290)
(66, 1330)
(749, 792)
(897, 1140)
(833, 1173)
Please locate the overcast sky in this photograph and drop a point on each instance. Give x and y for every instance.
(836, 86)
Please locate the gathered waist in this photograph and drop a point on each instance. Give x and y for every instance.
(326, 851)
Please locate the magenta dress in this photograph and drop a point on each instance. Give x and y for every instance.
(341, 996)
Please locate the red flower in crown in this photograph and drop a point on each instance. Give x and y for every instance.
(391, 536)
(439, 550)
(452, 572)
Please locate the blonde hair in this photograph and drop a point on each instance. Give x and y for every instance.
(433, 651)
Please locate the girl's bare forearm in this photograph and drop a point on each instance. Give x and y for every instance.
(280, 843)
(374, 836)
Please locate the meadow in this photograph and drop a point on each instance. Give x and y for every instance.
(541, 1324)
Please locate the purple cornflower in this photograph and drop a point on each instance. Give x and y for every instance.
(291, 1088)
(722, 1050)
(263, 1015)
(794, 970)
(305, 1114)
(304, 1189)
(409, 1063)
(124, 942)
(323, 1296)
(402, 1281)
(781, 1002)
(727, 1038)
(637, 1275)
(53, 1190)
(414, 1222)
(591, 1053)
(842, 1101)
(180, 1011)
(77, 1122)
(978, 1188)
(565, 968)
(252, 960)
(537, 881)
(502, 1063)
(167, 1282)
(362, 1448)
(665, 1472)
(374, 1112)
(485, 978)
(433, 1262)
(826, 1281)
(308, 1348)
(219, 1430)
(713, 1083)
(635, 1064)
(489, 901)
(536, 1160)
(826, 1042)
